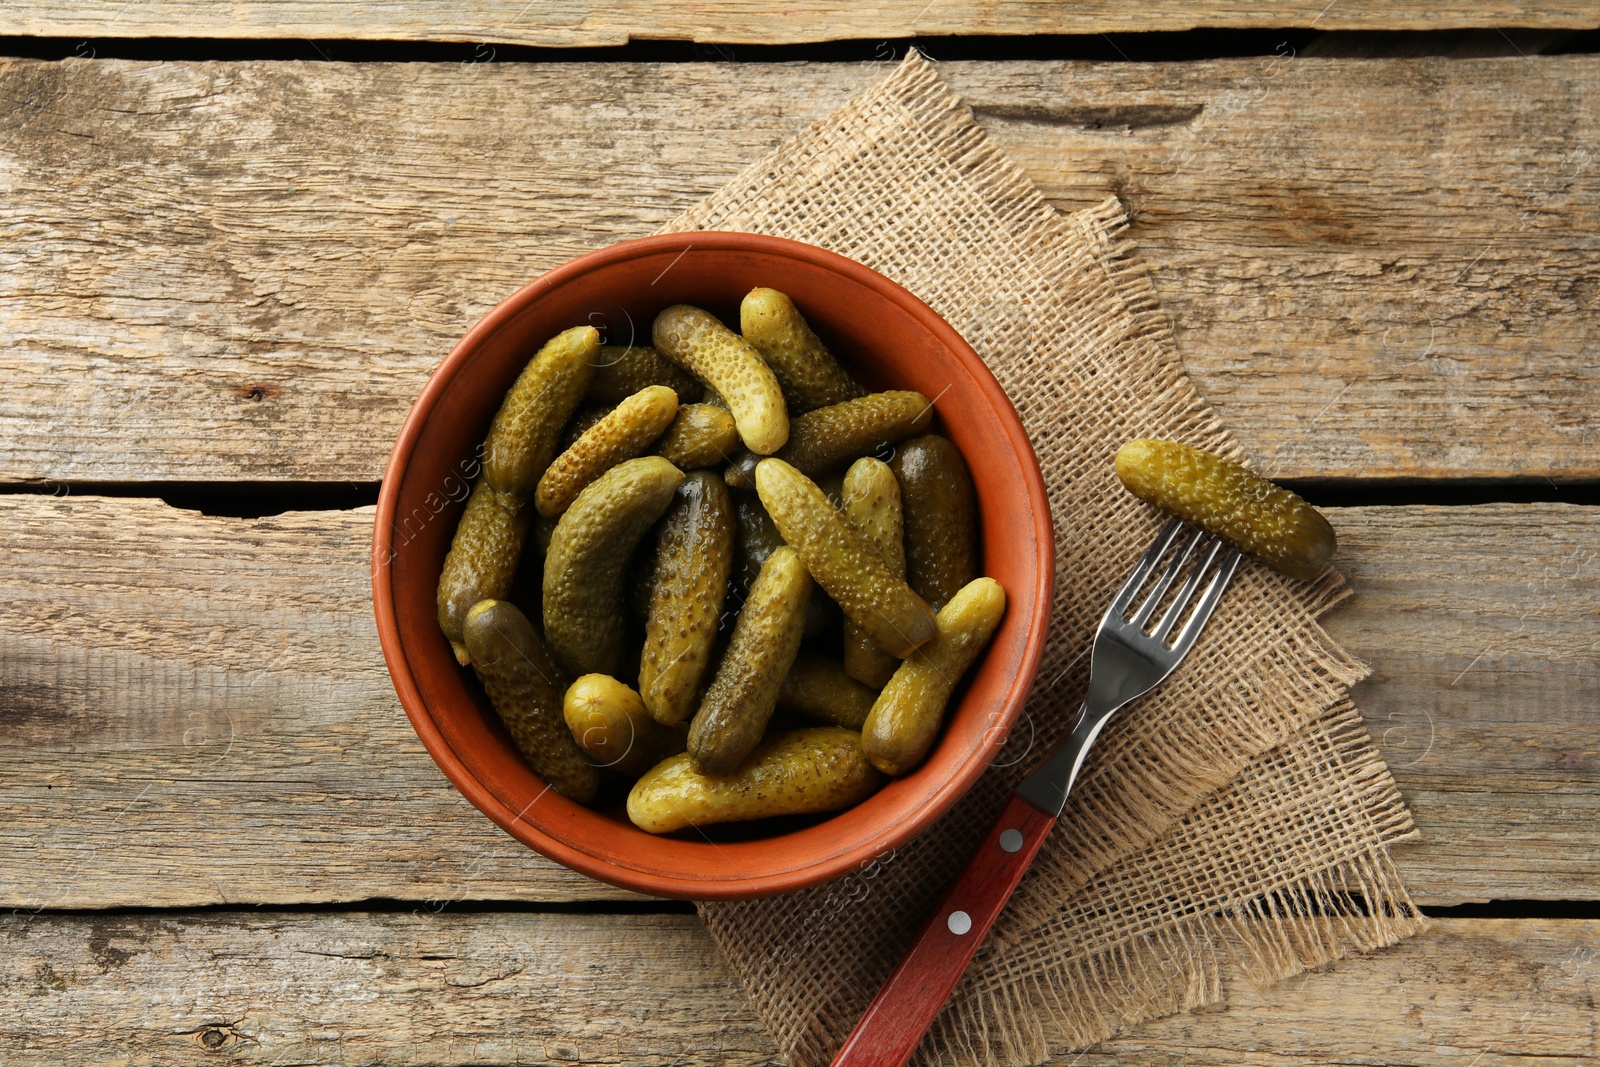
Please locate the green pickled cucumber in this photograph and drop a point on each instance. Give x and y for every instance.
(805, 369)
(831, 438)
(482, 561)
(818, 688)
(585, 617)
(734, 713)
(757, 539)
(608, 721)
(623, 370)
(1244, 509)
(630, 428)
(843, 561)
(526, 686)
(871, 499)
(941, 517)
(696, 341)
(702, 435)
(906, 716)
(525, 432)
(797, 772)
(693, 559)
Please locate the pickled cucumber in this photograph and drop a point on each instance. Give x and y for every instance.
(941, 517)
(702, 435)
(523, 436)
(807, 372)
(696, 341)
(581, 421)
(630, 428)
(608, 721)
(585, 618)
(693, 559)
(796, 772)
(625, 369)
(766, 638)
(905, 718)
(843, 561)
(871, 499)
(482, 561)
(525, 686)
(818, 688)
(829, 438)
(1257, 517)
(757, 539)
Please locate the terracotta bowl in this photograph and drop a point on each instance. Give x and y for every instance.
(884, 335)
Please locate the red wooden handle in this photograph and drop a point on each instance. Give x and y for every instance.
(909, 1001)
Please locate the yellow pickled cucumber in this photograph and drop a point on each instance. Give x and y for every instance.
(818, 688)
(702, 435)
(766, 638)
(625, 369)
(693, 559)
(830, 438)
(871, 498)
(622, 434)
(797, 772)
(696, 341)
(808, 373)
(585, 617)
(523, 437)
(843, 561)
(1244, 509)
(580, 422)
(482, 561)
(608, 721)
(906, 716)
(525, 686)
(941, 517)
(757, 539)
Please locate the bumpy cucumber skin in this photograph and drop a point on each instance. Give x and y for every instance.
(796, 772)
(482, 561)
(1259, 518)
(906, 717)
(830, 438)
(579, 424)
(766, 638)
(818, 688)
(807, 372)
(871, 499)
(608, 721)
(694, 557)
(842, 561)
(941, 517)
(625, 432)
(757, 540)
(702, 435)
(525, 685)
(585, 617)
(523, 437)
(696, 341)
(625, 369)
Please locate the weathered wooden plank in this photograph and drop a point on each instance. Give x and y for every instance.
(583, 23)
(496, 988)
(247, 270)
(200, 705)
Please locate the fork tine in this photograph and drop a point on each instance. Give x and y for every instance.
(1170, 575)
(1208, 602)
(1136, 580)
(1186, 593)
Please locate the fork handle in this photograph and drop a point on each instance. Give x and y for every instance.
(909, 1001)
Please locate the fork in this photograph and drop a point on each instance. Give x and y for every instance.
(1129, 659)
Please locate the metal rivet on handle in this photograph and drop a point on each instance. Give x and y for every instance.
(959, 922)
(1011, 840)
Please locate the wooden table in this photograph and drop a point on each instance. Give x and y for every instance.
(223, 282)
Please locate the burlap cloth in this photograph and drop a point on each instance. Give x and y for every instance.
(1236, 820)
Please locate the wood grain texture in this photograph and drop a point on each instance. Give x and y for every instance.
(496, 988)
(197, 711)
(247, 270)
(573, 23)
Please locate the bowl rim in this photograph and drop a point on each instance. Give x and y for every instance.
(687, 886)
